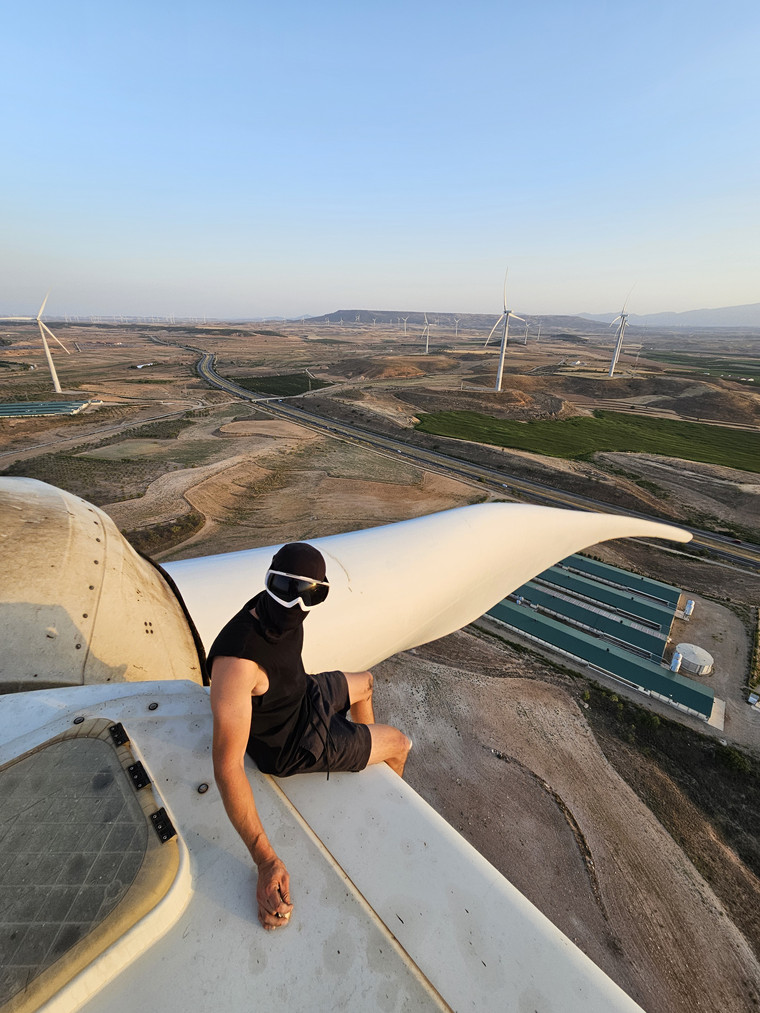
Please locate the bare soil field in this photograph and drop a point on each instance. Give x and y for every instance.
(723, 493)
(393, 366)
(513, 403)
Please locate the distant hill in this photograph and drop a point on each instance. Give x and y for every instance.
(467, 321)
(726, 316)
(581, 323)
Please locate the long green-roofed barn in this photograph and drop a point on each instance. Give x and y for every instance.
(627, 604)
(615, 622)
(629, 635)
(665, 594)
(638, 673)
(30, 409)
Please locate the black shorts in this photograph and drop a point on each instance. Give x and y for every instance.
(331, 742)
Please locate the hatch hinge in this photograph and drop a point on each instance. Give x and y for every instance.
(118, 734)
(139, 775)
(163, 825)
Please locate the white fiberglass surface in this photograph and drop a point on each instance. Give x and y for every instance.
(378, 880)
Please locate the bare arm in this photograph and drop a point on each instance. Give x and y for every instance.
(234, 681)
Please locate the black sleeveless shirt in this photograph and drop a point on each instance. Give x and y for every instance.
(280, 716)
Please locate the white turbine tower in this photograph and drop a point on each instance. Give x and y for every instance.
(43, 330)
(405, 320)
(505, 334)
(456, 326)
(623, 318)
(426, 334)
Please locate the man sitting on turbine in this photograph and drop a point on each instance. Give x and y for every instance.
(265, 704)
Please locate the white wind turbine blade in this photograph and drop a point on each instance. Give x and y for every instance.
(493, 329)
(514, 316)
(18, 318)
(505, 289)
(42, 307)
(45, 326)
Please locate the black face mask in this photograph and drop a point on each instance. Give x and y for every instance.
(303, 560)
(276, 619)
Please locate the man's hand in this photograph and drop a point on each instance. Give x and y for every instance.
(273, 894)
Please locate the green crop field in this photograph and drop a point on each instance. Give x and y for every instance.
(581, 437)
(284, 385)
(747, 368)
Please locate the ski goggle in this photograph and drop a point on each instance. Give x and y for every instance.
(289, 589)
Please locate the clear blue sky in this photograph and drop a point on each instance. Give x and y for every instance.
(250, 158)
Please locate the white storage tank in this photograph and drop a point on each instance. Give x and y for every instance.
(695, 659)
(688, 609)
(675, 664)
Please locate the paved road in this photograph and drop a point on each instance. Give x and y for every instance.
(743, 553)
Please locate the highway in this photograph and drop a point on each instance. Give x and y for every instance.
(743, 553)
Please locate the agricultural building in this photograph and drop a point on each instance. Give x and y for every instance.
(614, 622)
(627, 604)
(636, 672)
(29, 409)
(634, 637)
(645, 587)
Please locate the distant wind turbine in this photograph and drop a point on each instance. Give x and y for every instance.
(405, 320)
(456, 326)
(505, 334)
(623, 318)
(426, 334)
(43, 330)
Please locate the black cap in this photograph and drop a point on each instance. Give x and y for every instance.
(300, 559)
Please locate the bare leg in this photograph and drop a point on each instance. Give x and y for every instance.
(360, 695)
(389, 745)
